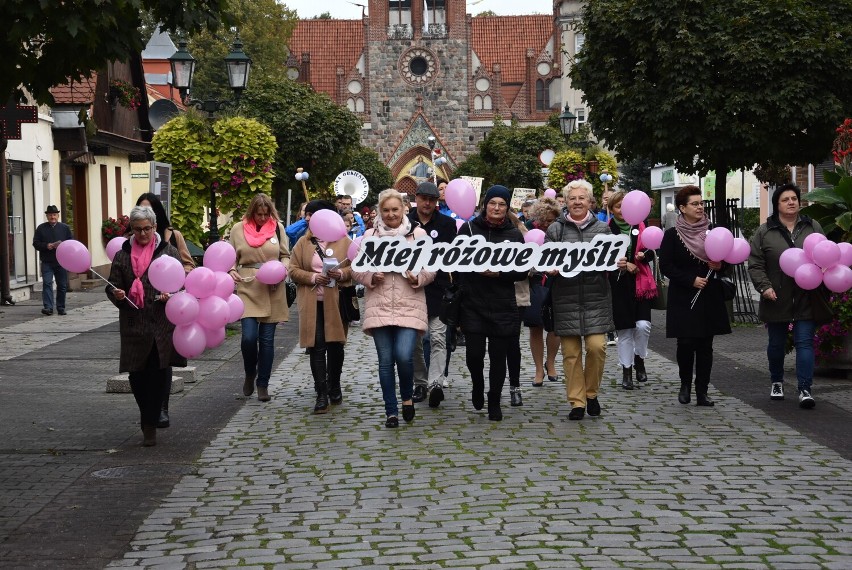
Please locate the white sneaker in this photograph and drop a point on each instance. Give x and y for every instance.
(777, 392)
(446, 383)
(806, 401)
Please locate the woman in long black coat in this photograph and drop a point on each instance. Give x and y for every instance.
(684, 261)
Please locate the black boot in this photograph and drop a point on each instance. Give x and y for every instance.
(685, 389)
(515, 394)
(703, 400)
(477, 396)
(495, 414)
(701, 386)
(321, 405)
(163, 422)
(627, 377)
(335, 368)
(639, 365)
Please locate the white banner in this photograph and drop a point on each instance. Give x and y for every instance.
(468, 254)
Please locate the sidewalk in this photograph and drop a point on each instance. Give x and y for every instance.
(235, 482)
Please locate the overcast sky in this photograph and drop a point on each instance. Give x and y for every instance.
(346, 10)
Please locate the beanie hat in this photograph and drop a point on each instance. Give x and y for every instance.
(498, 191)
(315, 206)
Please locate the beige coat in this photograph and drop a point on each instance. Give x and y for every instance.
(267, 303)
(301, 274)
(183, 250)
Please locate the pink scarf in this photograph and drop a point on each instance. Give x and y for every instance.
(646, 286)
(140, 259)
(693, 235)
(257, 238)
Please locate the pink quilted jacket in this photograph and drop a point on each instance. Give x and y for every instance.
(394, 302)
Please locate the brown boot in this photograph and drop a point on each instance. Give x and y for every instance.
(248, 386)
(263, 393)
(149, 436)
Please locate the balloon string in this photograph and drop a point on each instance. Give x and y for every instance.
(113, 286)
(694, 299)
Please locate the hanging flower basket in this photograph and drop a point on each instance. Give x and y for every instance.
(125, 94)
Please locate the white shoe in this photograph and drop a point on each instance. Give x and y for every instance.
(777, 392)
(806, 401)
(446, 383)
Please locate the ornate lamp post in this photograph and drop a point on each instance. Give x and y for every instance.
(568, 126)
(238, 65)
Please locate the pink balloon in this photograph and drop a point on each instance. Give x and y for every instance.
(189, 340)
(791, 259)
(808, 276)
(224, 285)
(826, 253)
(200, 282)
(220, 256)
(166, 274)
(838, 278)
(352, 251)
(718, 243)
(214, 337)
(274, 272)
(182, 308)
(845, 253)
(114, 245)
(534, 236)
(739, 252)
(810, 243)
(327, 225)
(236, 307)
(459, 223)
(652, 237)
(214, 312)
(461, 197)
(550, 193)
(73, 256)
(635, 207)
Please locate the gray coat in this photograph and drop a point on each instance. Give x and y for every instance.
(582, 305)
(140, 329)
(793, 304)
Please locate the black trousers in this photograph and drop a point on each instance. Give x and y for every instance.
(326, 358)
(697, 352)
(148, 386)
(498, 349)
(513, 358)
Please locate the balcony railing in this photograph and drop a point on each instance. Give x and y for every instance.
(436, 31)
(399, 32)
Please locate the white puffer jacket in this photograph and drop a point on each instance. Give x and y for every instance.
(394, 302)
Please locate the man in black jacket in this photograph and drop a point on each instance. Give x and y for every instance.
(46, 239)
(428, 379)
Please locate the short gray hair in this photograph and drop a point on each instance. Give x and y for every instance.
(140, 213)
(579, 183)
(389, 193)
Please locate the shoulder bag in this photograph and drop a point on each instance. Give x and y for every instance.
(659, 302)
(451, 304)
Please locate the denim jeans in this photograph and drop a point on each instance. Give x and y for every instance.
(395, 345)
(50, 271)
(258, 345)
(803, 341)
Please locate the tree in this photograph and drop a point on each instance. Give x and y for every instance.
(636, 175)
(232, 156)
(264, 27)
(718, 84)
(47, 43)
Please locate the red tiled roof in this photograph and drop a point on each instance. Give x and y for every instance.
(76, 92)
(332, 44)
(505, 39)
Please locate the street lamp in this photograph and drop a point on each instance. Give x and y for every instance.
(238, 65)
(431, 141)
(568, 126)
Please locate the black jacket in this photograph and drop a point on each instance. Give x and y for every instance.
(440, 228)
(626, 308)
(488, 303)
(46, 234)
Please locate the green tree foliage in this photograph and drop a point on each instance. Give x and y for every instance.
(232, 156)
(636, 175)
(264, 27)
(314, 133)
(509, 155)
(46, 43)
(717, 84)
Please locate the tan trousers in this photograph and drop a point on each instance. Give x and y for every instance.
(583, 382)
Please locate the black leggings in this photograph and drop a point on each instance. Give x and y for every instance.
(326, 357)
(697, 352)
(498, 349)
(148, 386)
(513, 358)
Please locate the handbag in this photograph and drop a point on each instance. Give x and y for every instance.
(291, 292)
(661, 300)
(348, 301)
(729, 288)
(548, 319)
(450, 313)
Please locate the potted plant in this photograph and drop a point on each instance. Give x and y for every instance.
(832, 208)
(125, 94)
(114, 227)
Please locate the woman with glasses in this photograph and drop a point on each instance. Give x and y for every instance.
(582, 305)
(489, 312)
(147, 352)
(696, 310)
(259, 237)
